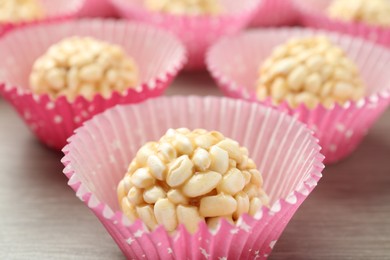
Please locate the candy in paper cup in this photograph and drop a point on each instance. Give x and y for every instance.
(53, 120)
(275, 13)
(196, 32)
(284, 150)
(97, 8)
(312, 13)
(339, 129)
(53, 11)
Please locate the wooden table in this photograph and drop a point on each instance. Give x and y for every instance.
(346, 217)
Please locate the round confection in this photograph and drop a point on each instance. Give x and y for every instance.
(191, 176)
(20, 10)
(309, 70)
(83, 66)
(185, 7)
(372, 12)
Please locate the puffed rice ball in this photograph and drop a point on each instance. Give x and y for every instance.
(83, 66)
(187, 177)
(20, 10)
(309, 70)
(185, 7)
(372, 12)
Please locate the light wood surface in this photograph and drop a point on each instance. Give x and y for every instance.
(346, 217)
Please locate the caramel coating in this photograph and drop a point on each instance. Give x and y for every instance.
(191, 176)
(83, 66)
(20, 10)
(372, 12)
(309, 70)
(185, 7)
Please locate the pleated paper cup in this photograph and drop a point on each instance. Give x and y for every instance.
(53, 120)
(196, 32)
(57, 10)
(97, 8)
(339, 129)
(275, 13)
(313, 14)
(284, 150)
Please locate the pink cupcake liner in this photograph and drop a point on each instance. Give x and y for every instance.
(97, 8)
(196, 32)
(285, 151)
(53, 121)
(313, 14)
(339, 129)
(275, 13)
(54, 11)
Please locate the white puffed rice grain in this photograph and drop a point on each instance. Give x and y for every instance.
(191, 176)
(83, 66)
(309, 71)
(185, 7)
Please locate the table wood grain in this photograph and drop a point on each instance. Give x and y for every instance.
(346, 217)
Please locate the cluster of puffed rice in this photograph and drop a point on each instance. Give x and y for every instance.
(20, 10)
(311, 71)
(373, 12)
(185, 7)
(83, 66)
(187, 177)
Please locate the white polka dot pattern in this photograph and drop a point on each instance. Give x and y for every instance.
(283, 149)
(53, 121)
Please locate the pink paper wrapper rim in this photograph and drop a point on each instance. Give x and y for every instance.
(313, 14)
(53, 121)
(339, 129)
(196, 32)
(285, 151)
(56, 11)
(275, 13)
(97, 8)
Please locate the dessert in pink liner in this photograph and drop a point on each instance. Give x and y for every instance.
(339, 128)
(198, 31)
(52, 119)
(283, 149)
(45, 11)
(275, 13)
(313, 13)
(97, 8)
